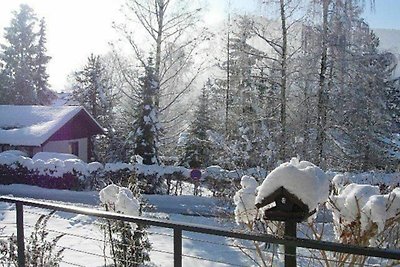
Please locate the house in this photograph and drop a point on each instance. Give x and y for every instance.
(33, 129)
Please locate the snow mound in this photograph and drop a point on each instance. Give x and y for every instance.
(360, 203)
(46, 156)
(379, 209)
(301, 178)
(340, 180)
(108, 194)
(347, 205)
(120, 199)
(94, 166)
(246, 210)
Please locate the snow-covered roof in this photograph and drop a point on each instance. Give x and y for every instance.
(33, 125)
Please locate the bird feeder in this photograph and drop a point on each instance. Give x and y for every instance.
(281, 205)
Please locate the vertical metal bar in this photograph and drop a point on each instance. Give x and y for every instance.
(177, 247)
(20, 234)
(290, 251)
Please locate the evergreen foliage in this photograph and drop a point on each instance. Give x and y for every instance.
(198, 149)
(94, 90)
(44, 94)
(147, 131)
(24, 78)
(39, 249)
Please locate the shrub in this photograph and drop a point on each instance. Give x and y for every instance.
(39, 249)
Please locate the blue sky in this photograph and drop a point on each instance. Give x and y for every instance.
(386, 14)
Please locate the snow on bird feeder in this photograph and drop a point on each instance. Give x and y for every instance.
(293, 191)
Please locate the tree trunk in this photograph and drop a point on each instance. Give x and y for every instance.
(283, 141)
(321, 95)
(160, 22)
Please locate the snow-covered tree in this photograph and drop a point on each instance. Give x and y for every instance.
(94, 90)
(24, 59)
(148, 129)
(240, 102)
(128, 242)
(44, 94)
(198, 148)
(357, 116)
(172, 37)
(18, 56)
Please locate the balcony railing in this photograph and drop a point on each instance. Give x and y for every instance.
(178, 228)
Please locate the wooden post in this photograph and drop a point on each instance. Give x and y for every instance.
(290, 251)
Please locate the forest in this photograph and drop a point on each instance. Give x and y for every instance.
(299, 78)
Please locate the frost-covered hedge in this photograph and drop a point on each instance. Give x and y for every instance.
(78, 175)
(54, 174)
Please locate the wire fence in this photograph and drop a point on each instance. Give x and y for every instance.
(173, 240)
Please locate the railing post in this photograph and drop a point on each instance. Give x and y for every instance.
(177, 247)
(20, 234)
(290, 251)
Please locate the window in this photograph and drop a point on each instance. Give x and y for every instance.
(74, 148)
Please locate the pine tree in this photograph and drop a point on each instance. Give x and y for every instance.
(19, 57)
(44, 94)
(93, 90)
(249, 99)
(147, 132)
(5, 94)
(146, 135)
(198, 149)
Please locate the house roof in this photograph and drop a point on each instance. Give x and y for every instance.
(35, 125)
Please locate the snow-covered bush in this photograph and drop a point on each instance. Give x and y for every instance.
(39, 249)
(54, 173)
(363, 216)
(116, 173)
(246, 211)
(129, 244)
(300, 178)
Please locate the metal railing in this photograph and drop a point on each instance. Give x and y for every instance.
(178, 228)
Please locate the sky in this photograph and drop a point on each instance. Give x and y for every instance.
(77, 28)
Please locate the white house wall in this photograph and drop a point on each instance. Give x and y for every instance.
(63, 147)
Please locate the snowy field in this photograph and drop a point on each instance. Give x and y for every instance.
(83, 238)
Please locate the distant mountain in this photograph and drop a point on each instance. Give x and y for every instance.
(390, 41)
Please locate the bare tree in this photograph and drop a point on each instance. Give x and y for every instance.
(282, 50)
(169, 26)
(172, 37)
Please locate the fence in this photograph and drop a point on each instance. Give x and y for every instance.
(178, 228)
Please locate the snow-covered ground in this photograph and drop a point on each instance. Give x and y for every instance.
(83, 238)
